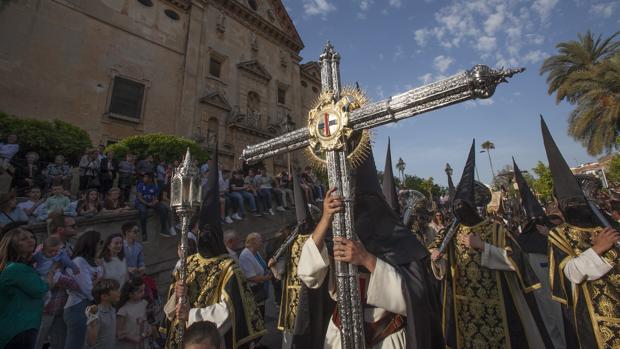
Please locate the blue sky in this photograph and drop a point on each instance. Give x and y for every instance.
(390, 46)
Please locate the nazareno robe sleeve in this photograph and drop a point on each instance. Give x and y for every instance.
(313, 264)
(588, 266)
(385, 289)
(217, 313)
(495, 258)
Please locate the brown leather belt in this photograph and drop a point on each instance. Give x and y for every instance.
(377, 331)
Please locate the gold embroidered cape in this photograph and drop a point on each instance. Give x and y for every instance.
(304, 312)
(212, 280)
(594, 305)
(489, 308)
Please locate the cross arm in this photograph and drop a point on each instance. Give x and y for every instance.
(479, 82)
(285, 143)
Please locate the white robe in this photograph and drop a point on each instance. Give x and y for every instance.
(384, 292)
(589, 266)
(550, 310)
(217, 313)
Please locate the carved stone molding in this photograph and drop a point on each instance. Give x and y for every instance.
(216, 99)
(256, 69)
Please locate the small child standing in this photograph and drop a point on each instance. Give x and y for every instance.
(101, 318)
(52, 255)
(58, 201)
(132, 327)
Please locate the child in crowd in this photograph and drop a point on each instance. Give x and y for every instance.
(101, 318)
(58, 202)
(51, 254)
(203, 335)
(132, 327)
(134, 251)
(90, 205)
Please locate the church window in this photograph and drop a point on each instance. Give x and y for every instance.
(253, 4)
(215, 67)
(253, 102)
(304, 84)
(147, 3)
(172, 15)
(127, 98)
(281, 95)
(315, 90)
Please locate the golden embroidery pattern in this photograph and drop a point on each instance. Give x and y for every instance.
(292, 288)
(602, 296)
(478, 300)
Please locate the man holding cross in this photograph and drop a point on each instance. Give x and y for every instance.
(399, 308)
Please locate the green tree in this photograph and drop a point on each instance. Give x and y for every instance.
(47, 138)
(613, 171)
(575, 56)
(167, 147)
(595, 121)
(543, 184)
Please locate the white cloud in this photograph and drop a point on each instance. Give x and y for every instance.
(487, 101)
(442, 63)
(381, 56)
(544, 7)
(421, 36)
(396, 3)
(486, 43)
(493, 23)
(318, 7)
(604, 10)
(534, 56)
(365, 4)
(426, 78)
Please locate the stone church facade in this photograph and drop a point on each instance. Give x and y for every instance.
(225, 70)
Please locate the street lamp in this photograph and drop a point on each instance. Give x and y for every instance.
(185, 200)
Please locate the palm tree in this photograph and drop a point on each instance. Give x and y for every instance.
(400, 166)
(487, 146)
(595, 122)
(575, 56)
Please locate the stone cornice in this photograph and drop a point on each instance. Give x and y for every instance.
(250, 130)
(251, 19)
(181, 4)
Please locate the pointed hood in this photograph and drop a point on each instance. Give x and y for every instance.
(389, 185)
(565, 185)
(366, 179)
(377, 225)
(465, 189)
(572, 202)
(304, 217)
(531, 205)
(211, 236)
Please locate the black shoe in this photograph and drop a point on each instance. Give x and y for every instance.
(165, 234)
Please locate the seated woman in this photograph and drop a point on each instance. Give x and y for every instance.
(89, 205)
(9, 212)
(113, 202)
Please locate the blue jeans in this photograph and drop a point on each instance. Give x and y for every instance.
(264, 195)
(239, 196)
(164, 215)
(75, 318)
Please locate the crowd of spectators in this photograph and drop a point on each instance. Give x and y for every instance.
(65, 295)
(106, 184)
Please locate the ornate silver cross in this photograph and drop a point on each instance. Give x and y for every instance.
(330, 126)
